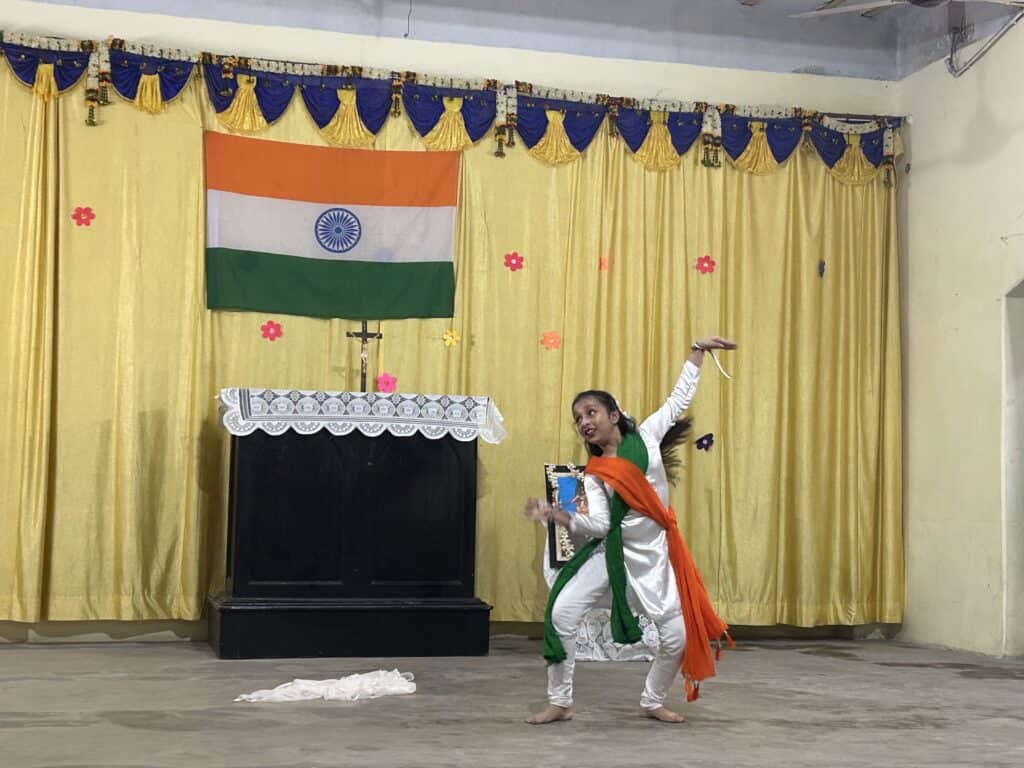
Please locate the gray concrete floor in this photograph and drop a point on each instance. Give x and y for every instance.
(821, 703)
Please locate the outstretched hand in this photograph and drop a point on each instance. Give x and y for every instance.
(716, 342)
(537, 509)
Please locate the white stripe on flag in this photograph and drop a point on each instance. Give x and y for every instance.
(290, 227)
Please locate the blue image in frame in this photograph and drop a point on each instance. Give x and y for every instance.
(567, 490)
(338, 230)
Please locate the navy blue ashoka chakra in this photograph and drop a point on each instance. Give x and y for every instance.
(337, 230)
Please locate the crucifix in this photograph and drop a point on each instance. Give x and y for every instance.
(364, 336)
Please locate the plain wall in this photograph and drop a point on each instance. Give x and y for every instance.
(962, 233)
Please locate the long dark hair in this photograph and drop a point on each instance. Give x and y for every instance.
(676, 435)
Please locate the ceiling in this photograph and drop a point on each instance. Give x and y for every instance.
(722, 33)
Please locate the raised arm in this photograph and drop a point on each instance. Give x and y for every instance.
(659, 422)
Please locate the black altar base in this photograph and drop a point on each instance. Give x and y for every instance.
(350, 546)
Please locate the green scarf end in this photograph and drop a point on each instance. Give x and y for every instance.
(627, 635)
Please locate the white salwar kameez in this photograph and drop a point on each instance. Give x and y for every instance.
(650, 581)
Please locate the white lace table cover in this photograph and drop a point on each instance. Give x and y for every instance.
(594, 639)
(274, 411)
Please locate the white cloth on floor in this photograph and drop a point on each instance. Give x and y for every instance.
(368, 685)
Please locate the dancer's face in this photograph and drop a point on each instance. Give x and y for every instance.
(595, 423)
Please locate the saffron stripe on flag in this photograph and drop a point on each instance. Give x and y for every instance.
(293, 285)
(330, 175)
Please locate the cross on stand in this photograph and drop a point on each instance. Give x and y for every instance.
(364, 336)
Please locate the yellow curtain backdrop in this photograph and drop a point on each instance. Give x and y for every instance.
(28, 151)
(114, 495)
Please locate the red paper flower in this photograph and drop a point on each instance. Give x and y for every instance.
(83, 216)
(551, 340)
(271, 330)
(603, 263)
(513, 261)
(705, 264)
(386, 382)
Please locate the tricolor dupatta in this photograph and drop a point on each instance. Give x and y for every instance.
(702, 623)
(625, 626)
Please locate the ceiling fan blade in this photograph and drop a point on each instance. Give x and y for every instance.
(852, 8)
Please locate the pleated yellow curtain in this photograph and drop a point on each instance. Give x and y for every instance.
(657, 152)
(346, 128)
(148, 97)
(757, 157)
(28, 154)
(580, 276)
(449, 134)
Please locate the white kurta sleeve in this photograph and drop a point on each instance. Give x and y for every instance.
(599, 520)
(659, 422)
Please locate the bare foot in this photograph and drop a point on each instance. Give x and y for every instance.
(664, 715)
(552, 714)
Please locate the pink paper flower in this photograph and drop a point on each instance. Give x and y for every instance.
(513, 261)
(271, 330)
(603, 263)
(551, 340)
(386, 382)
(83, 216)
(705, 264)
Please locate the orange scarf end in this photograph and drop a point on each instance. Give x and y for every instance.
(692, 690)
(699, 617)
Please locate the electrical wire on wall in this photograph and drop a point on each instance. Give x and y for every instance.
(958, 38)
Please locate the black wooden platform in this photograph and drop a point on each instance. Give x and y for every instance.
(350, 546)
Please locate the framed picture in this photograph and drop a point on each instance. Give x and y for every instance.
(562, 483)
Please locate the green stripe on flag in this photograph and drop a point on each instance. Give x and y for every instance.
(355, 290)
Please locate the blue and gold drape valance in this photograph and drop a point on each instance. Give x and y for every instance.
(148, 81)
(51, 70)
(450, 118)
(350, 105)
(556, 126)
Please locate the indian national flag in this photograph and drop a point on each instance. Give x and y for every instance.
(305, 230)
